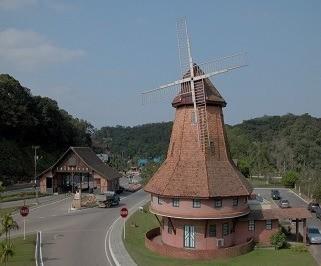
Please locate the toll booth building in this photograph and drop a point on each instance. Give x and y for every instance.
(79, 168)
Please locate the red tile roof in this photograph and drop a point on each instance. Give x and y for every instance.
(188, 171)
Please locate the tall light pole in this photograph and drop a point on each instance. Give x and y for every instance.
(35, 165)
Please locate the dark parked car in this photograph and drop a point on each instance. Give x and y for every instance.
(275, 194)
(313, 206)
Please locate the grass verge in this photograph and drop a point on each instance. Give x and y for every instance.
(24, 251)
(21, 196)
(135, 246)
(8, 210)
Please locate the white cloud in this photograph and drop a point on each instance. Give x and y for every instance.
(29, 49)
(14, 4)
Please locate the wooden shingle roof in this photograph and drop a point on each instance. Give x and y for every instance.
(88, 156)
(190, 172)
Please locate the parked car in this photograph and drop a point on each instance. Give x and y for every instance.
(313, 235)
(284, 203)
(275, 194)
(312, 206)
(318, 213)
(112, 199)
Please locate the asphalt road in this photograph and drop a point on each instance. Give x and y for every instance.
(295, 201)
(75, 237)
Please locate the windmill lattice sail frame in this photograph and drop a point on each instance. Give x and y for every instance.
(192, 81)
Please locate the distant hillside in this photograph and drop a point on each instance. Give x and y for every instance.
(265, 145)
(269, 144)
(27, 120)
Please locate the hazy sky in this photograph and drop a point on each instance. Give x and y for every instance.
(94, 57)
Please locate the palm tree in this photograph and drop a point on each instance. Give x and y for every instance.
(6, 252)
(8, 224)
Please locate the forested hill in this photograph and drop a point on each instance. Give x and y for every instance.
(266, 145)
(27, 120)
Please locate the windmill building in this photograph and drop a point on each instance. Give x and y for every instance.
(198, 195)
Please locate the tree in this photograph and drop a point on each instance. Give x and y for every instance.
(290, 178)
(7, 225)
(278, 240)
(148, 171)
(6, 252)
(317, 192)
(2, 189)
(244, 167)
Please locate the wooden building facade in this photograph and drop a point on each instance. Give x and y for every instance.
(79, 168)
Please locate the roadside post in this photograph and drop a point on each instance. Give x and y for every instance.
(123, 214)
(24, 211)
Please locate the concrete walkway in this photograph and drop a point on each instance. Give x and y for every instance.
(116, 246)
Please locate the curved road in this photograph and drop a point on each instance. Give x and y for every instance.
(75, 237)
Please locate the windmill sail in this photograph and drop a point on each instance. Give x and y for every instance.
(193, 81)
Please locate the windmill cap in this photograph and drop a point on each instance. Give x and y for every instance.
(212, 95)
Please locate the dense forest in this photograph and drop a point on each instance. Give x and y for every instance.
(27, 120)
(269, 145)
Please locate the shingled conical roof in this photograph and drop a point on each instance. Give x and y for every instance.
(212, 95)
(188, 171)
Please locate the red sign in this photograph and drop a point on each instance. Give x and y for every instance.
(123, 212)
(24, 211)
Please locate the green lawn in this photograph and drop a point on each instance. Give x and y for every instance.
(7, 210)
(260, 257)
(24, 251)
(21, 196)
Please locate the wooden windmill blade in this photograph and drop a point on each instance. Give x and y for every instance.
(184, 47)
(220, 66)
(193, 80)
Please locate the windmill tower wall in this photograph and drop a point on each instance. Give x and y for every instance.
(200, 196)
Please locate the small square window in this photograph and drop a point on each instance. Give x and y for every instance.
(212, 230)
(175, 202)
(160, 200)
(268, 224)
(235, 201)
(226, 229)
(218, 203)
(251, 225)
(196, 203)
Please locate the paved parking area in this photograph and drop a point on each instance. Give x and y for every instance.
(298, 202)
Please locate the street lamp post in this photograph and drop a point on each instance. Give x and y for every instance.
(35, 165)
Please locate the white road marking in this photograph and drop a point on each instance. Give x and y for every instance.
(299, 196)
(108, 235)
(41, 261)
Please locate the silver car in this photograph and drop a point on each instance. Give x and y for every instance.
(313, 235)
(284, 203)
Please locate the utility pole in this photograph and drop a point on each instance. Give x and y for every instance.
(35, 165)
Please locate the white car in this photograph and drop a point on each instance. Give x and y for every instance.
(284, 203)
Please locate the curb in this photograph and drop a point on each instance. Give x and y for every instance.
(119, 254)
(38, 250)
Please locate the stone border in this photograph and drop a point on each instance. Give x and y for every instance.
(169, 251)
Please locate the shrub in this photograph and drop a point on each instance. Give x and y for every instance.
(290, 178)
(299, 248)
(278, 240)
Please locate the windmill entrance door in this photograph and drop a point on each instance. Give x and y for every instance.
(189, 236)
